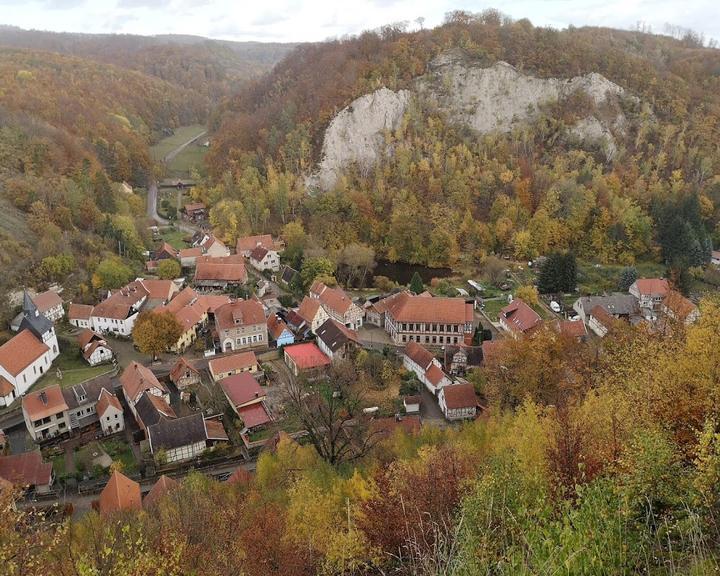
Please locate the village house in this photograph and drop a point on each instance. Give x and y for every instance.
(600, 321)
(619, 305)
(288, 276)
(376, 308)
(436, 321)
(306, 357)
(23, 361)
(247, 244)
(279, 331)
(163, 486)
(93, 347)
(211, 246)
(188, 256)
(233, 364)
(518, 319)
(183, 374)
(650, 292)
(217, 273)
(338, 305)
(426, 367)
(194, 211)
(458, 402)
(312, 311)
(178, 438)
(336, 340)
(412, 404)
(45, 413)
(677, 307)
(298, 324)
(247, 399)
(120, 494)
(571, 328)
(241, 325)
(54, 411)
(137, 379)
(150, 409)
(79, 315)
(50, 305)
(165, 252)
(118, 312)
(262, 259)
(192, 311)
(160, 292)
(459, 358)
(27, 471)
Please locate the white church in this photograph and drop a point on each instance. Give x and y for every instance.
(26, 357)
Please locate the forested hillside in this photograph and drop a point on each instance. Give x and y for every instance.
(448, 196)
(213, 68)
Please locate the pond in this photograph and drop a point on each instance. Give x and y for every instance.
(402, 273)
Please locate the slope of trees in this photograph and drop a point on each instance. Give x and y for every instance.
(446, 196)
(584, 463)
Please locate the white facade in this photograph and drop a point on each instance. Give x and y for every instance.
(186, 452)
(122, 327)
(26, 378)
(451, 414)
(100, 354)
(48, 427)
(112, 420)
(80, 322)
(271, 261)
(55, 313)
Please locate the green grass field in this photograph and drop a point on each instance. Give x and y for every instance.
(174, 237)
(73, 369)
(190, 157)
(599, 278)
(181, 135)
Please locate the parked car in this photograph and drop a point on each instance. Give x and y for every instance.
(555, 307)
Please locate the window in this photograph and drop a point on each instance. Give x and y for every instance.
(61, 425)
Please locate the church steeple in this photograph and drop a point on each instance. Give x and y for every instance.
(29, 308)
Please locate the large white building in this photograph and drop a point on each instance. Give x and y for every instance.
(118, 312)
(25, 358)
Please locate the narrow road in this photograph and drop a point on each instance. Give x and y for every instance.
(152, 195)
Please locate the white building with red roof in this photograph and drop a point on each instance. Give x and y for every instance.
(23, 361)
(262, 258)
(458, 402)
(241, 325)
(427, 368)
(79, 315)
(50, 305)
(247, 399)
(27, 470)
(231, 364)
(338, 305)
(650, 292)
(427, 320)
(118, 312)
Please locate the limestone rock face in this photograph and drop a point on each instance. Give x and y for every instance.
(494, 99)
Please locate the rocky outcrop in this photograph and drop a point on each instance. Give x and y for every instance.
(485, 99)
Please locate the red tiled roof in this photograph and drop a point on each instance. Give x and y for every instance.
(79, 312)
(240, 313)
(387, 426)
(249, 243)
(309, 308)
(406, 307)
(21, 351)
(164, 485)
(520, 317)
(680, 306)
(190, 252)
(571, 328)
(85, 336)
(275, 326)
(652, 286)
(192, 206)
(5, 387)
(258, 253)
(459, 396)
(137, 378)
(334, 298)
(215, 430)
(105, 401)
(419, 354)
(240, 476)
(223, 268)
(120, 493)
(603, 316)
(254, 415)
(239, 361)
(180, 367)
(435, 375)
(26, 469)
(211, 302)
(307, 356)
(118, 305)
(159, 289)
(241, 389)
(89, 350)
(47, 300)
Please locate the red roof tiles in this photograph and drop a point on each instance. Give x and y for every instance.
(406, 307)
(47, 300)
(43, 403)
(419, 354)
(20, 352)
(232, 363)
(240, 313)
(120, 493)
(254, 415)
(458, 396)
(242, 389)
(519, 317)
(307, 356)
(26, 469)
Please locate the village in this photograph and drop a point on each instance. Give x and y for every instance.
(220, 393)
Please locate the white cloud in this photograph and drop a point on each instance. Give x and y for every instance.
(312, 20)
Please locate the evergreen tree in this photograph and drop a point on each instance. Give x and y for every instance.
(558, 273)
(416, 284)
(104, 194)
(628, 275)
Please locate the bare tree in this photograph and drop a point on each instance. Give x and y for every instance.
(330, 409)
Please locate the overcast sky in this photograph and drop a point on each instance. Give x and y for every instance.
(307, 20)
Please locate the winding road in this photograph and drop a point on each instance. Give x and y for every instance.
(152, 195)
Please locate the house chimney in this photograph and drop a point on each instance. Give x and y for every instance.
(43, 397)
(257, 394)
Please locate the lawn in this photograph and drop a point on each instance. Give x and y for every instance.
(192, 156)
(174, 237)
(71, 367)
(118, 449)
(493, 307)
(181, 135)
(58, 463)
